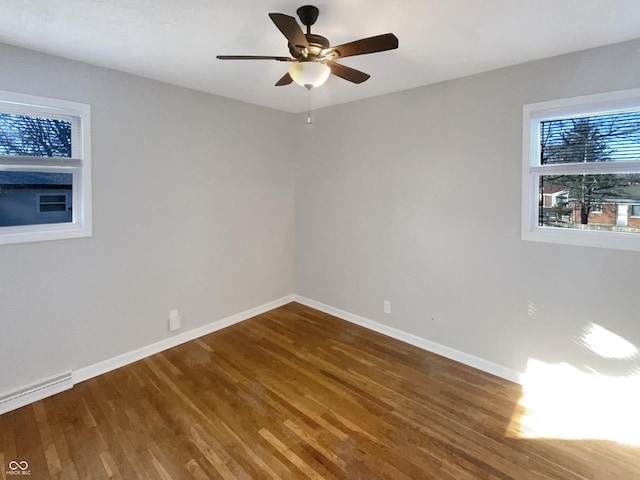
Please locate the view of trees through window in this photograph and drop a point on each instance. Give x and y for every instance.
(25, 194)
(600, 201)
(34, 136)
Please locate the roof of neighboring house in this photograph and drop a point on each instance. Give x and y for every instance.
(549, 189)
(629, 194)
(34, 178)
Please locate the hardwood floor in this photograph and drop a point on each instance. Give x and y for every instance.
(294, 393)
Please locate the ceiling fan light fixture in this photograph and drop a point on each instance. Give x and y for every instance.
(309, 74)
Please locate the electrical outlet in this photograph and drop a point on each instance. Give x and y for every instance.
(387, 306)
(175, 320)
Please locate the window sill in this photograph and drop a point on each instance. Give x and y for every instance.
(40, 233)
(584, 238)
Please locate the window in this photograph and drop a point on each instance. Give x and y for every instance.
(581, 170)
(635, 211)
(45, 169)
(52, 203)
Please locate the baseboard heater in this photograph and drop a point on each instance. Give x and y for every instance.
(32, 393)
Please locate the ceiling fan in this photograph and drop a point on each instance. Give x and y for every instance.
(312, 57)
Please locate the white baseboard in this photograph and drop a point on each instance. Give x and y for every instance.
(110, 364)
(428, 345)
(50, 386)
(32, 393)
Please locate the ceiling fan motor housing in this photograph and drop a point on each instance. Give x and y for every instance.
(317, 43)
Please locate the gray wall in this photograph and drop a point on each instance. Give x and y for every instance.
(415, 198)
(192, 209)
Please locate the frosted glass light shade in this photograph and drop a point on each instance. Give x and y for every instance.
(309, 74)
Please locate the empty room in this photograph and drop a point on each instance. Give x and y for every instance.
(347, 240)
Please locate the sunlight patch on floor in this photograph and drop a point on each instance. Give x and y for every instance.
(597, 401)
(559, 401)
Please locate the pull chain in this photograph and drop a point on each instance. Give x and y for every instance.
(309, 122)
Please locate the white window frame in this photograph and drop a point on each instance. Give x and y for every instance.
(79, 165)
(532, 170)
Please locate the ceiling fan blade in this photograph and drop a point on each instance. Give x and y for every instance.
(379, 43)
(254, 57)
(348, 73)
(290, 29)
(286, 80)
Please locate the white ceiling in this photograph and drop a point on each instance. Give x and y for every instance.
(176, 41)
